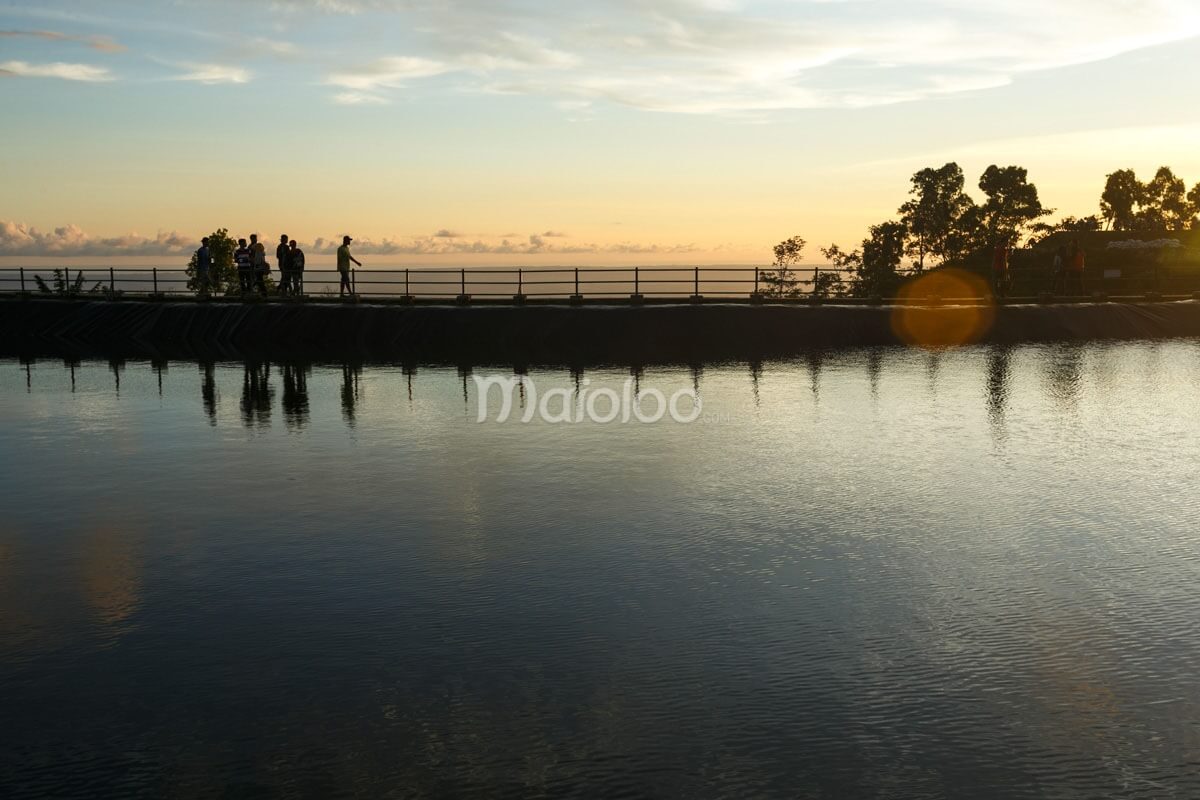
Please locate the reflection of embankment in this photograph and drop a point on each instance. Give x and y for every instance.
(554, 334)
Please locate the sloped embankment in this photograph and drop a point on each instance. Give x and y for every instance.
(539, 334)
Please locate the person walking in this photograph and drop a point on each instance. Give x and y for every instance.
(203, 268)
(241, 257)
(296, 265)
(258, 260)
(282, 254)
(343, 266)
(1001, 278)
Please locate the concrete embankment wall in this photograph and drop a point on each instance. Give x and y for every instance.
(549, 334)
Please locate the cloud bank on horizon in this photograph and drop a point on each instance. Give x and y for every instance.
(71, 241)
(684, 56)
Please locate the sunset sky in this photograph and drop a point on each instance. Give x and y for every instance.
(532, 131)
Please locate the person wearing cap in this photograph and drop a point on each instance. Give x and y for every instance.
(343, 265)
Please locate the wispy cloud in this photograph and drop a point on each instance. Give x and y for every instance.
(213, 74)
(104, 44)
(738, 56)
(58, 69)
(392, 72)
(359, 99)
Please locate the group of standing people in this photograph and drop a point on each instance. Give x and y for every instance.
(1069, 262)
(250, 259)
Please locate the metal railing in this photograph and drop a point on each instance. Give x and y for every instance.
(520, 284)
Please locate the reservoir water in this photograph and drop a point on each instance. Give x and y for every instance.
(876, 573)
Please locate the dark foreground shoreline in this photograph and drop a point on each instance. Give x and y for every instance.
(540, 334)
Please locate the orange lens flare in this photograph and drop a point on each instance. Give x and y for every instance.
(946, 308)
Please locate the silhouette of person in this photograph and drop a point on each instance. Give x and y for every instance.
(258, 260)
(203, 267)
(343, 266)
(241, 257)
(296, 265)
(283, 259)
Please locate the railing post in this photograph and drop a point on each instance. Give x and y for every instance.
(637, 280)
(22, 280)
(462, 286)
(816, 274)
(696, 281)
(756, 280)
(406, 292)
(520, 281)
(155, 271)
(112, 283)
(354, 282)
(576, 298)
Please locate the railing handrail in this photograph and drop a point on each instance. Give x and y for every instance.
(638, 282)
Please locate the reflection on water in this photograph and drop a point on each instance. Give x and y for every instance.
(295, 394)
(860, 573)
(998, 367)
(351, 391)
(208, 389)
(257, 394)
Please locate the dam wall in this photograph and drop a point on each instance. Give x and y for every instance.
(553, 333)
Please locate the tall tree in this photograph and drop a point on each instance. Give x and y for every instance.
(1164, 202)
(1193, 198)
(1012, 202)
(1122, 195)
(940, 218)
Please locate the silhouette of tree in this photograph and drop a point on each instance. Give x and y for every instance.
(1012, 202)
(882, 252)
(1193, 199)
(1164, 203)
(220, 249)
(875, 267)
(941, 220)
(63, 286)
(1122, 194)
(782, 281)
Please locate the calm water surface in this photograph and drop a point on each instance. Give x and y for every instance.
(869, 573)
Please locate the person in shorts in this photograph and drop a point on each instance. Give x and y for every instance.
(344, 259)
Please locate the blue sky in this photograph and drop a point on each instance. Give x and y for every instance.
(664, 130)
